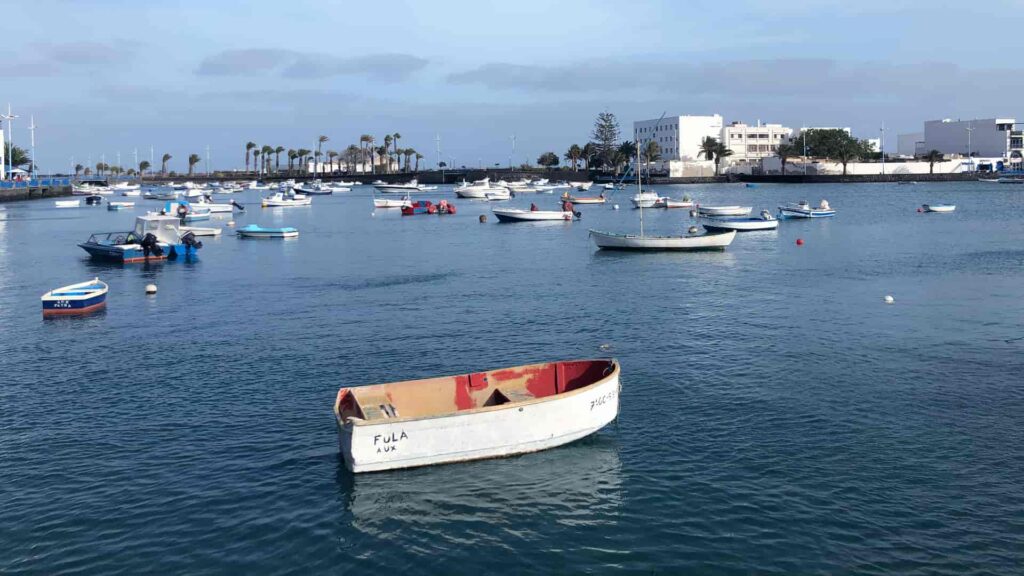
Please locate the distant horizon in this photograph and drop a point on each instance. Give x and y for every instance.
(477, 76)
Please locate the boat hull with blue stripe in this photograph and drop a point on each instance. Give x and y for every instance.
(803, 210)
(81, 298)
(155, 237)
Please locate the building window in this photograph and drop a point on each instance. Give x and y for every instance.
(751, 147)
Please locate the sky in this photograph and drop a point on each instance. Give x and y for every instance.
(102, 77)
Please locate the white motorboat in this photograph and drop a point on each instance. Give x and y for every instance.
(67, 203)
(938, 207)
(389, 203)
(343, 184)
(256, 185)
(805, 210)
(201, 231)
(473, 416)
(645, 199)
(740, 223)
(497, 195)
(284, 199)
(88, 189)
(215, 208)
(520, 215)
(477, 189)
(668, 203)
(581, 186)
(406, 188)
(724, 210)
(125, 187)
(115, 206)
(131, 193)
(599, 199)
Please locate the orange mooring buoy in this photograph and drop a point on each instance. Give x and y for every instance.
(799, 241)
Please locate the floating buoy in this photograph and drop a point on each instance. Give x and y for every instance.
(615, 206)
(150, 288)
(483, 218)
(799, 241)
(231, 223)
(919, 210)
(605, 347)
(693, 213)
(692, 230)
(889, 299)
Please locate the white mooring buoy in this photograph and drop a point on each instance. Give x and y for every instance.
(150, 288)
(889, 299)
(615, 206)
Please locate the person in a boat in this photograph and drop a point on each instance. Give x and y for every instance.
(566, 206)
(824, 205)
(533, 207)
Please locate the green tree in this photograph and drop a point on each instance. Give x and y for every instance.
(548, 160)
(248, 147)
(17, 157)
(573, 155)
(418, 158)
(721, 151)
(292, 155)
(277, 158)
(304, 158)
(319, 153)
(606, 136)
(395, 138)
(708, 147)
(163, 163)
(78, 168)
(370, 149)
(256, 161)
(785, 152)
(193, 159)
(388, 138)
(587, 154)
(143, 166)
(266, 151)
(652, 152)
(931, 158)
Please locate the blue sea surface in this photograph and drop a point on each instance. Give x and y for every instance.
(776, 415)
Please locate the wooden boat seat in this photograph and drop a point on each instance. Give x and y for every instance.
(514, 395)
(377, 408)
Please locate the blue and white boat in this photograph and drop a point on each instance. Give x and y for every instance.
(155, 237)
(186, 211)
(114, 206)
(256, 231)
(938, 207)
(805, 210)
(740, 223)
(81, 298)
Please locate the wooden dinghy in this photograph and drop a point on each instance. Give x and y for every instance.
(474, 416)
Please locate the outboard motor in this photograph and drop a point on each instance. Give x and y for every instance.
(150, 245)
(190, 242)
(237, 205)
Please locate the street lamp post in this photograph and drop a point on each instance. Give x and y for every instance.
(970, 129)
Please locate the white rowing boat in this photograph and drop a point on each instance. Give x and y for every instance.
(636, 242)
(520, 215)
(724, 210)
(473, 416)
(938, 207)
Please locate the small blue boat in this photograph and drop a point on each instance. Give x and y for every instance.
(256, 231)
(750, 185)
(81, 298)
(155, 237)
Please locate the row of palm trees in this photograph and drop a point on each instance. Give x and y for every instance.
(103, 168)
(384, 158)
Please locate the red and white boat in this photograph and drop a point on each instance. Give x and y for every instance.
(474, 416)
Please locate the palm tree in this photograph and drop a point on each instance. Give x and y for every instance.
(99, 168)
(303, 158)
(331, 155)
(193, 159)
(383, 156)
(256, 161)
(88, 171)
(266, 151)
(143, 166)
(363, 143)
(847, 152)
(277, 158)
(784, 153)
(418, 158)
(396, 137)
(409, 153)
(708, 146)
(292, 155)
(369, 146)
(319, 143)
(721, 151)
(573, 155)
(587, 153)
(932, 157)
(388, 139)
(163, 164)
(248, 146)
(78, 168)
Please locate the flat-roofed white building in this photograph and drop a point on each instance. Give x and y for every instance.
(988, 137)
(752, 143)
(679, 137)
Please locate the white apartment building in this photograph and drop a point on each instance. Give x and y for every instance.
(988, 137)
(679, 137)
(752, 143)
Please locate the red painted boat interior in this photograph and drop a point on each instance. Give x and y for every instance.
(451, 394)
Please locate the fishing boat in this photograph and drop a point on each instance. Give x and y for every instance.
(114, 206)
(805, 210)
(668, 203)
(81, 298)
(257, 185)
(645, 199)
(206, 202)
(644, 243)
(155, 237)
(67, 203)
(474, 416)
(740, 223)
(123, 187)
(187, 211)
(256, 231)
(343, 184)
(406, 188)
(519, 215)
(156, 194)
(600, 199)
(724, 210)
(93, 200)
(498, 195)
(938, 207)
(314, 188)
(282, 199)
(581, 186)
(389, 203)
(91, 187)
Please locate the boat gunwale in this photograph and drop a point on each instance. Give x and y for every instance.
(349, 422)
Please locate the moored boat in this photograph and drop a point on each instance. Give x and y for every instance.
(646, 199)
(520, 215)
(80, 298)
(600, 199)
(938, 207)
(389, 203)
(67, 203)
(724, 210)
(406, 188)
(283, 199)
(155, 237)
(119, 205)
(474, 416)
(637, 242)
(668, 203)
(740, 223)
(427, 207)
(201, 231)
(498, 194)
(805, 210)
(256, 231)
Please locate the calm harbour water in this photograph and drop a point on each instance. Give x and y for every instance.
(776, 416)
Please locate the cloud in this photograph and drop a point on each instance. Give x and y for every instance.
(47, 59)
(308, 65)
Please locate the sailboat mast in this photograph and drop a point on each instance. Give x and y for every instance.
(639, 185)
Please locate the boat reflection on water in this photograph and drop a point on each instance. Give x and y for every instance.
(577, 484)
